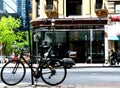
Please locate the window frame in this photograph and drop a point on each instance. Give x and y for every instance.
(117, 10)
(72, 7)
(49, 4)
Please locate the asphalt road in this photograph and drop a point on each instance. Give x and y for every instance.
(86, 75)
(104, 76)
(93, 75)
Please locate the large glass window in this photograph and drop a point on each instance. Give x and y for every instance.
(98, 45)
(59, 37)
(80, 42)
(48, 37)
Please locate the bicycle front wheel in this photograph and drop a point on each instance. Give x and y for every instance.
(13, 72)
(53, 75)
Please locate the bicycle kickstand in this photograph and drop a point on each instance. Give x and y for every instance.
(36, 80)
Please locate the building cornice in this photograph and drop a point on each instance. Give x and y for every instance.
(68, 22)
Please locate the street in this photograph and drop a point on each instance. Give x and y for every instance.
(100, 75)
(93, 75)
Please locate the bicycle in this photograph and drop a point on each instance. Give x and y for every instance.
(51, 70)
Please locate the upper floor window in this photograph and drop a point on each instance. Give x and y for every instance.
(99, 4)
(49, 4)
(117, 7)
(73, 7)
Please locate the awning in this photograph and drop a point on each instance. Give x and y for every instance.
(114, 38)
(115, 18)
(68, 22)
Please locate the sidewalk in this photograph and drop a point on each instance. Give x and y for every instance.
(94, 65)
(88, 65)
(42, 85)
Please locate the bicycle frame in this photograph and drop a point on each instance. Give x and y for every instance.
(30, 65)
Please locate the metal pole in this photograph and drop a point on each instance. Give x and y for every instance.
(91, 39)
(53, 26)
(28, 28)
(86, 58)
(36, 35)
(53, 36)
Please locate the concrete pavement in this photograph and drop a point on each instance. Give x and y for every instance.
(42, 85)
(87, 65)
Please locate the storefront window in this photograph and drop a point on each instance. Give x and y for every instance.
(80, 41)
(98, 46)
(59, 37)
(48, 37)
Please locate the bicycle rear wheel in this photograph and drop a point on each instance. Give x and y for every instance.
(53, 75)
(13, 72)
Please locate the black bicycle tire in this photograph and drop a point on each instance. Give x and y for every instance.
(52, 84)
(3, 68)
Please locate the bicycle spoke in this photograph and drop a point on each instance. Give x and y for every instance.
(53, 76)
(12, 72)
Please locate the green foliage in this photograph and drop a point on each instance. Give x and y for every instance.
(8, 36)
(22, 39)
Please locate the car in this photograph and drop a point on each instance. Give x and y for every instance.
(2, 59)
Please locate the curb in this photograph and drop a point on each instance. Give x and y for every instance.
(94, 65)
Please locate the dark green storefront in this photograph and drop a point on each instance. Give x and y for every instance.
(86, 40)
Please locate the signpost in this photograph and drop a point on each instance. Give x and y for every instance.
(28, 28)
